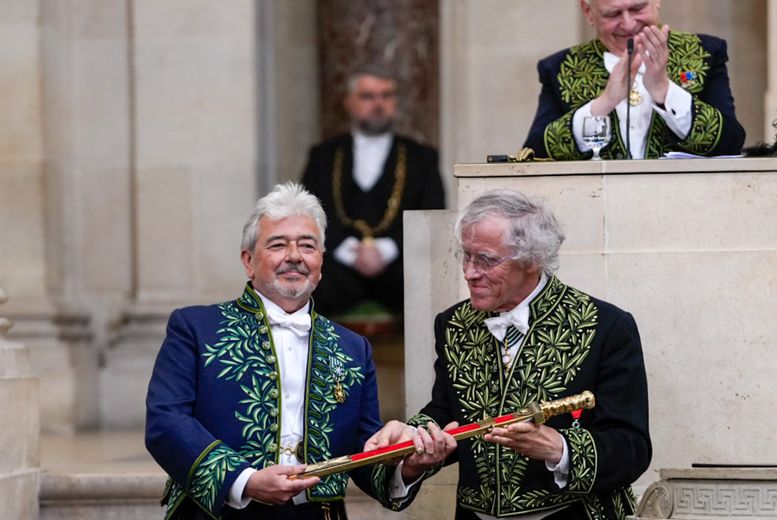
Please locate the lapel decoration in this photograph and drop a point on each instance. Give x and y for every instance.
(337, 371)
(688, 78)
(576, 414)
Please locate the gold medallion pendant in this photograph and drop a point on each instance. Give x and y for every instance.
(635, 98)
(339, 393)
(337, 370)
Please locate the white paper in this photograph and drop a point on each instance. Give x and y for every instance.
(686, 155)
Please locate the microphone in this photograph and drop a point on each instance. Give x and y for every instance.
(630, 52)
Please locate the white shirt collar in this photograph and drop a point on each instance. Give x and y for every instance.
(369, 156)
(272, 308)
(520, 313)
(360, 138)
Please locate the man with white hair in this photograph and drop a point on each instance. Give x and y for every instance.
(524, 336)
(244, 393)
(679, 98)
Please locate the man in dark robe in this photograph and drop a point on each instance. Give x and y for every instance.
(365, 179)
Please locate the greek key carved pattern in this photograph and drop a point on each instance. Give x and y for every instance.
(726, 499)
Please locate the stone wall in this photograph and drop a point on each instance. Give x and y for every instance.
(19, 445)
(127, 165)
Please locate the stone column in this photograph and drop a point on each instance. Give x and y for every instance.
(19, 447)
(194, 182)
(87, 144)
(770, 101)
(401, 35)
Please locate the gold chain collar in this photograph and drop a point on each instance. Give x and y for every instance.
(394, 201)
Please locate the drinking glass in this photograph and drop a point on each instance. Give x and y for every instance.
(596, 133)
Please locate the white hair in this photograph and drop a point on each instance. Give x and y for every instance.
(285, 200)
(534, 235)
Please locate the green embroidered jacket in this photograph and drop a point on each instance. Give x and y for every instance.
(575, 342)
(215, 399)
(575, 76)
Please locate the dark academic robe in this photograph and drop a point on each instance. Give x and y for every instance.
(214, 405)
(575, 76)
(575, 343)
(342, 287)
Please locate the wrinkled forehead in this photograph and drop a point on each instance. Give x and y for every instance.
(612, 6)
(488, 232)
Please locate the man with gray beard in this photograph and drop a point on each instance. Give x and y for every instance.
(365, 179)
(246, 392)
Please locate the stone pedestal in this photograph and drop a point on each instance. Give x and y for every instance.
(19, 446)
(689, 248)
(734, 493)
(99, 496)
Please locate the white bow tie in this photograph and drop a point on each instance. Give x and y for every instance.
(299, 323)
(499, 324)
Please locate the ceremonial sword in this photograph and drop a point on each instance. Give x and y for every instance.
(536, 412)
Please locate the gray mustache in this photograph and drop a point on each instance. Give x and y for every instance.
(293, 269)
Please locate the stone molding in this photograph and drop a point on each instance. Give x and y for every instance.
(732, 493)
(97, 487)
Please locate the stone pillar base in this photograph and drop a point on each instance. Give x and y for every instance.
(734, 493)
(19, 494)
(19, 433)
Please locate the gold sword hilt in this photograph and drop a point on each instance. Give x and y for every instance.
(581, 401)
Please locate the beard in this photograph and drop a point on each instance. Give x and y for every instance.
(375, 125)
(293, 290)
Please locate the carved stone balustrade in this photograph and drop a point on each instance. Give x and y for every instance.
(734, 493)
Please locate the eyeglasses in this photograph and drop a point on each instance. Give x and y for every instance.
(480, 261)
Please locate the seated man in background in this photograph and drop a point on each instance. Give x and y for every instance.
(680, 98)
(365, 179)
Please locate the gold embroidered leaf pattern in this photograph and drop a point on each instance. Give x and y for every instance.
(559, 141)
(687, 55)
(326, 352)
(581, 75)
(564, 323)
(706, 129)
(583, 451)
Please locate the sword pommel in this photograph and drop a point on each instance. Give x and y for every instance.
(584, 400)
